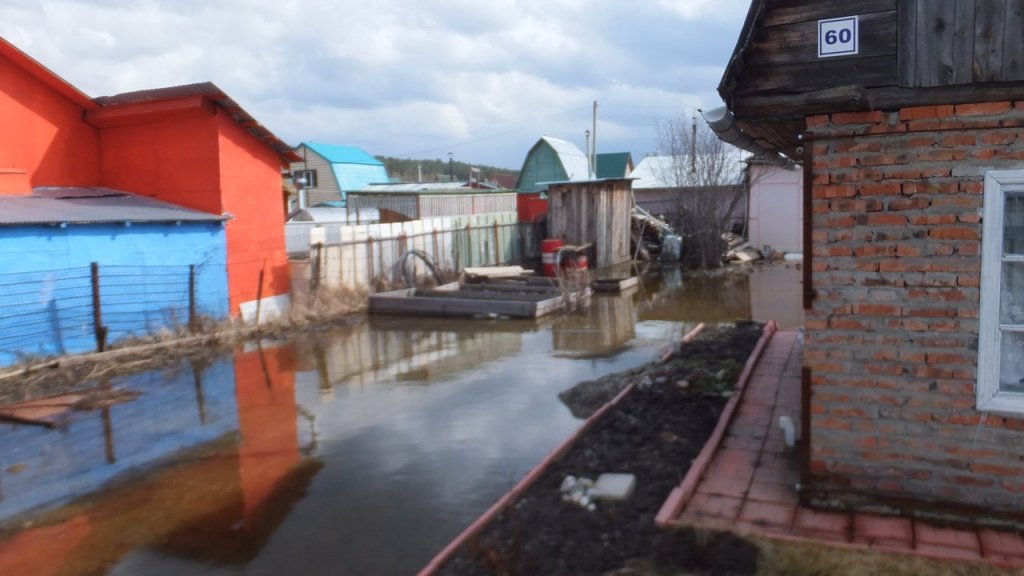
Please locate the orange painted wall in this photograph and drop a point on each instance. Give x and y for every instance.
(268, 418)
(176, 161)
(46, 135)
(250, 181)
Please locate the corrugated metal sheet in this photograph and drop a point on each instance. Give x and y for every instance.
(356, 176)
(614, 165)
(425, 188)
(92, 206)
(403, 204)
(432, 206)
(552, 160)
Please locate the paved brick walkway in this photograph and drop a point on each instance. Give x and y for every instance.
(750, 483)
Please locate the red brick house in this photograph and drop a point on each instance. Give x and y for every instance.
(189, 145)
(908, 118)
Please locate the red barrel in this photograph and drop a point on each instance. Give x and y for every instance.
(548, 253)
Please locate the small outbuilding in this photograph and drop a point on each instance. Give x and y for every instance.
(331, 171)
(596, 212)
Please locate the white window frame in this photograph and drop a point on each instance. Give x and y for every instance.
(998, 183)
(306, 174)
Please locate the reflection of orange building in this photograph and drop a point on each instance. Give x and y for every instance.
(190, 145)
(267, 415)
(219, 504)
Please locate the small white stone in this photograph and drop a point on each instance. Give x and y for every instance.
(614, 486)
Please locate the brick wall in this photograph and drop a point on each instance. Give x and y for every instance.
(893, 335)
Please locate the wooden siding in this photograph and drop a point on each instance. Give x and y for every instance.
(911, 53)
(326, 189)
(960, 42)
(595, 212)
(782, 56)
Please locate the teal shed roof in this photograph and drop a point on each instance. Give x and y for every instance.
(343, 154)
(614, 165)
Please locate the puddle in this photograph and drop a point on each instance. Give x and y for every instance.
(361, 450)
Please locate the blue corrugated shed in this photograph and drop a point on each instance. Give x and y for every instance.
(336, 154)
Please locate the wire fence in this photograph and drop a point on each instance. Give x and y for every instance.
(73, 310)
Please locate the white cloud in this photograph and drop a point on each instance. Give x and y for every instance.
(486, 79)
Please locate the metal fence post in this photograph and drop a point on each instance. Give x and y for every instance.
(97, 309)
(192, 298)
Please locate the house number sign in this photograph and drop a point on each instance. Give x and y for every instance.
(838, 37)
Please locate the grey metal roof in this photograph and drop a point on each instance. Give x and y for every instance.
(427, 188)
(85, 205)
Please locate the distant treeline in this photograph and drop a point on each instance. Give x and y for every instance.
(437, 170)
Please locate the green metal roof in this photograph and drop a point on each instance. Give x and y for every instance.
(614, 165)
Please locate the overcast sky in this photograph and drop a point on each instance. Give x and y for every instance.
(483, 79)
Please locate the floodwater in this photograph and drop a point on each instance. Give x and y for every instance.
(360, 450)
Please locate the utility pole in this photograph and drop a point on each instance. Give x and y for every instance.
(591, 169)
(593, 148)
(451, 168)
(693, 146)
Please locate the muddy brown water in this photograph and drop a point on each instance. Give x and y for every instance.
(361, 450)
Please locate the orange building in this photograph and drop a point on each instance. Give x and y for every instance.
(188, 145)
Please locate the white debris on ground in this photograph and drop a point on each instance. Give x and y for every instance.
(584, 492)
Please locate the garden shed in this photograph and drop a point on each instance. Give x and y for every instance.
(596, 212)
(908, 118)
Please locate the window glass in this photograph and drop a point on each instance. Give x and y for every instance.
(1011, 362)
(1011, 299)
(1013, 225)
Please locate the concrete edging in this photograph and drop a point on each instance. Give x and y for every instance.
(680, 495)
(512, 495)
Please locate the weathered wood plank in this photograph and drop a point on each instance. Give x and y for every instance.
(796, 43)
(780, 107)
(935, 32)
(907, 46)
(989, 27)
(963, 40)
(814, 10)
(797, 78)
(1013, 43)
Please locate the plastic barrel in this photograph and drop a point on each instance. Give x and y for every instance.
(548, 250)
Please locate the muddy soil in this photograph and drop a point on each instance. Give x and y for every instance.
(655, 433)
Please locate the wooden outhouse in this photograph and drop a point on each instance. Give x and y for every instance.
(908, 118)
(597, 212)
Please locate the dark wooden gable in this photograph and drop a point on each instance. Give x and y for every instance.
(911, 53)
(960, 42)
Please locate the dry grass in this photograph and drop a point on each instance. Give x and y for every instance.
(40, 377)
(808, 559)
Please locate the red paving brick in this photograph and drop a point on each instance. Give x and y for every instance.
(775, 515)
(883, 530)
(927, 534)
(712, 505)
(749, 485)
(1001, 543)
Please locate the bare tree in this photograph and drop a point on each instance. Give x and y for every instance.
(706, 182)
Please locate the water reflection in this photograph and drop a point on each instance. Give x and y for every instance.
(363, 449)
